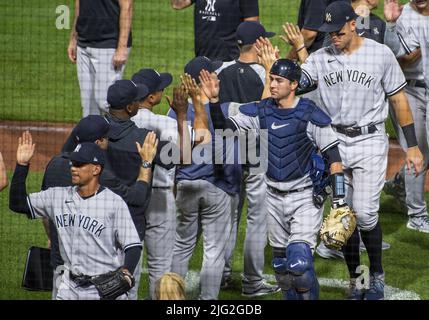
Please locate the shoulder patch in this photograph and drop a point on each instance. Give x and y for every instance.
(250, 109)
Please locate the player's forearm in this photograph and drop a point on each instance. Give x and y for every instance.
(73, 33)
(302, 54)
(125, 22)
(132, 258)
(201, 123)
(18, 191)
(404, 117)
(410, 59)
(309, 36)
(184, 140)
(180, 4)
(401, 107)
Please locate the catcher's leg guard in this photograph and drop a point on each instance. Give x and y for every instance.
(280, 269)
(300, 268)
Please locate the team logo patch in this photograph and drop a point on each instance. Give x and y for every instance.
(78, 148)
(328, 17)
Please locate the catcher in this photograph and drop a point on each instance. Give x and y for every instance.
(93, 224)
(297, 130)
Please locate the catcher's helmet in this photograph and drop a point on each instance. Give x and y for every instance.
(287, 69)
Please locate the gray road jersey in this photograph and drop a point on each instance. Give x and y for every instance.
(353, 88)
(410, 19)
(166, 128)
(92, 232)
(322, 137)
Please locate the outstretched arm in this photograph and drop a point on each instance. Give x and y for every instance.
(210, 86)
(18, 190)
(403, 113)
(179, 105)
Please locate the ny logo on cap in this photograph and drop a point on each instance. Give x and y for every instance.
(78, 148)
(328, 17)
(95, 159)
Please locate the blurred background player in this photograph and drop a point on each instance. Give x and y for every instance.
(161, 213)
(404, 186)
(215, 24)
(206, 195)
(100, 43)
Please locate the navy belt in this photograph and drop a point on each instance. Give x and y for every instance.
(416, 83)
(285, 193)
(355, 131)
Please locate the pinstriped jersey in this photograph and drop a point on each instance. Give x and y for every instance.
(353, 88)
(92, 232)
(407, 21)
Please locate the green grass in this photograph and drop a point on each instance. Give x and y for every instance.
(39, 83)
(405, 263)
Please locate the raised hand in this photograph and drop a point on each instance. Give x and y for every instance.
(267, 54)
(26, 148)
(148, 150)
(180, 100)
(293, 35)
(210, 85)
(191, 86)
(392, 10)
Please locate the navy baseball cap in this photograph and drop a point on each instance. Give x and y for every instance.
(250, 31)
(91, 128)
(123, 92)
(88, 152)
(337, 14)
(194, 67)
(152, 79)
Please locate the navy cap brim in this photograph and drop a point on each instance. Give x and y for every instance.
(166, 80)
(75, 156)
(142, 91)
(269, 34)
(329, 27)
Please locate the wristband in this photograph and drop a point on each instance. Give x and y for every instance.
(338, 185)
(298, 50)
(410, 135)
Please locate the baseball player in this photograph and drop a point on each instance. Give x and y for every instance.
(95, 129)
(206, 194)
(354, 75)
(94, 225)
(405, 187)
(161, 212)
(296, 129)
(243, 81)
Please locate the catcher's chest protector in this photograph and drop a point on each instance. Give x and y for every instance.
(289, 148)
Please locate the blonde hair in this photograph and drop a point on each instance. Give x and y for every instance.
(170, 286)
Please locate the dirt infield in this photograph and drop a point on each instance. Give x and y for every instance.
(50, 137)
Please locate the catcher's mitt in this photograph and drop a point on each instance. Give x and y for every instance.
(338, 227)
(113, 284)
